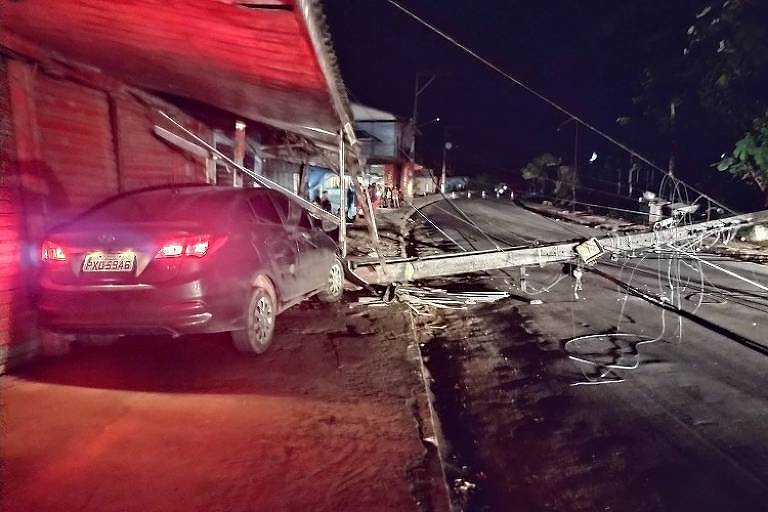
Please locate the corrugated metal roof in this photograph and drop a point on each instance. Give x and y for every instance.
(270, 61)
(362, 112)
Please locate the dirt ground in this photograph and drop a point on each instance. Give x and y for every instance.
(332, 418)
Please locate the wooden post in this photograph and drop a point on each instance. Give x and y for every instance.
(406, 181)
(342, 195)
(238, 153)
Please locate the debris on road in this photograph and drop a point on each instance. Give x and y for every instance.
(434, 297)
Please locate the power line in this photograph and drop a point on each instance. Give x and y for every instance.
(721, 269)
(543, 98)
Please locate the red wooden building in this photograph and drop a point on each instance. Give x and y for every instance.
(81, 83)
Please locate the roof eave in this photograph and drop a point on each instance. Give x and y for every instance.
(319, 36)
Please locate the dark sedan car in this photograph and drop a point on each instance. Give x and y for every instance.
(186, 259)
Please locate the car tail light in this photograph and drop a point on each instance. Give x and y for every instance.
(171, 250)
(53, 252)
(197, 246)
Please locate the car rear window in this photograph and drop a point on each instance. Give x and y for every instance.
(263, 208)
(282, 205)
(165, 205)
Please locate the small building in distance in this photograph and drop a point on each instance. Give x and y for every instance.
(385, 141)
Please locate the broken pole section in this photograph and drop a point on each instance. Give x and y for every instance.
(370, 219)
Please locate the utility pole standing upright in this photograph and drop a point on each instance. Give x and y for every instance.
(575, 158)
(575, 168)
(673, 149)
(415, 117)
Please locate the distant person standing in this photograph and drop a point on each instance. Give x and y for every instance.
(374, 194)
(395, 197)
(325, 203)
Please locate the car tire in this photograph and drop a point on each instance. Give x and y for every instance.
(97, 340)
(334, 287)
(260, 316)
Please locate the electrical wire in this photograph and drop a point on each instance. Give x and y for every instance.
(722, 269)
(418, 210)
(525, 240)
(471, 222)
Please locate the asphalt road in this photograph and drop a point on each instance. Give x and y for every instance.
(672, 416)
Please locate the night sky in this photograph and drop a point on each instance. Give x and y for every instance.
(586, 55)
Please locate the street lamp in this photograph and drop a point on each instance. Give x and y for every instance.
(435, 120)
(446, 147)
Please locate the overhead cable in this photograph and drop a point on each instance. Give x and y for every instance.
(418, 210)
(543, 98)
(720, 268)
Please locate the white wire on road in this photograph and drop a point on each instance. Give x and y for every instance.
(534, 291)
(612, 366)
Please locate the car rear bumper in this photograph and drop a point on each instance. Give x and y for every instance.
(176, 309)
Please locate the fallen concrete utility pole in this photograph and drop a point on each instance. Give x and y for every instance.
(403, 270)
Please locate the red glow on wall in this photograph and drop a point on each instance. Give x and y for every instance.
(256, 62)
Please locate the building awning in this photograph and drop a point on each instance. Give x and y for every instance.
(269, 61)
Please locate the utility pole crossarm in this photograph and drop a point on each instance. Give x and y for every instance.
(441, 265)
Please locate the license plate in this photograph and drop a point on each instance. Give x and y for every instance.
(109, 262)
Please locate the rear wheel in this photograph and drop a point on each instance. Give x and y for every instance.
(259, 323)
(334, 288)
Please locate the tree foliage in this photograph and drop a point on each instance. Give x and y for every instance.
(727, 56)
(705, 83)
(538, 168)
(749, 160)
(718, 68)
(732, 36)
